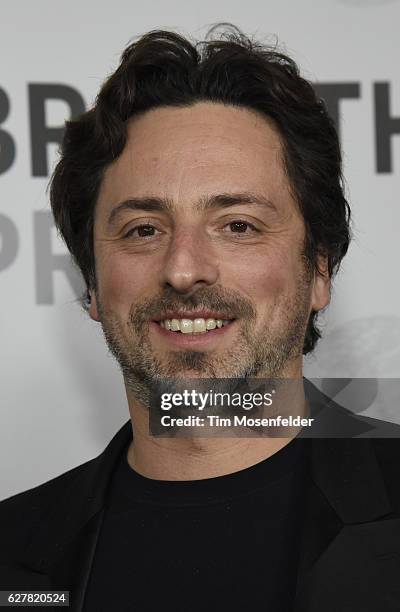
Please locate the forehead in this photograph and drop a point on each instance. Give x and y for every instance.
(185, 153)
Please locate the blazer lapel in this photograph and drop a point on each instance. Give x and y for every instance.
(344, 545)
(63, 548)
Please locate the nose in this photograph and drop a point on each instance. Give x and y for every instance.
(189, 262)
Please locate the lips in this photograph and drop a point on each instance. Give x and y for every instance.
(187, 326)
(185, 337)
(192, 314)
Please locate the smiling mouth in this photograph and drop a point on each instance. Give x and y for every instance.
(193, 326)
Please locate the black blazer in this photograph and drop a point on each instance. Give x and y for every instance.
(350, 552)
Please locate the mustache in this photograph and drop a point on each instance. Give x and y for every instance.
(212, 299)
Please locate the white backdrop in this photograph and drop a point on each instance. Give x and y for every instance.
(61, 394)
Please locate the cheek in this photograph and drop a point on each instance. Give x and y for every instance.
(120, 283)
(264, 278)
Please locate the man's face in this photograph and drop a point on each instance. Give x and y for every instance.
(239, 257)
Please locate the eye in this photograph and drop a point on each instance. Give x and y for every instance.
(144, 231)
(239, 226)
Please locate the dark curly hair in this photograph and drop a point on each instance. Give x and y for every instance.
(163, 68)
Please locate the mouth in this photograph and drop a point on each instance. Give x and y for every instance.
(192, 330)
(198, 325)
(193, 322)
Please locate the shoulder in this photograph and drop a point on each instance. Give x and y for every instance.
(34, 499)
(387, 452)
(20, 514)
(65, 499)
(36, 495)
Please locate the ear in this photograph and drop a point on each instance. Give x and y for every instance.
(93, 310)
(321, 295)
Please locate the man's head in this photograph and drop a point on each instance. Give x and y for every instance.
(205, 178)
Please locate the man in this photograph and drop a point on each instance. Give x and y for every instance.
(201, 197)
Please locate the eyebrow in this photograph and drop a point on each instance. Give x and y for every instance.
(206, 203)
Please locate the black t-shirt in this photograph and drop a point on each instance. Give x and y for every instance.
(226, 543)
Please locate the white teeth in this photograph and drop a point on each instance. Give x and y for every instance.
(186, 326)
(199, 325)
(190, 326)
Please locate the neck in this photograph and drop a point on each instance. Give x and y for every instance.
(196, 458)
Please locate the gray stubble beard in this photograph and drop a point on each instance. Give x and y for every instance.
(265, 356)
